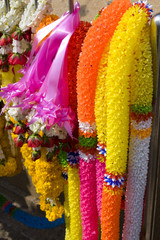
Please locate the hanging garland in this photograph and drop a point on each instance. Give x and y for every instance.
(118, 97)
(141, 122)
(94, 44)
(73, 52)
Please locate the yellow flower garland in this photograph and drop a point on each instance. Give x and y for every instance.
(74, 203)
(67, 212)
(46, 177)
(117, 98)
(117, 87)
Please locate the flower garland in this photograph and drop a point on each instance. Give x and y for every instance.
(46, 177)
(26, 218)
(117, 98)
(67, 212)
(141, 121)
(92, 49)
(11, 19)
(73, 52)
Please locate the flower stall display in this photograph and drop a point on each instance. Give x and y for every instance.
(80, 112)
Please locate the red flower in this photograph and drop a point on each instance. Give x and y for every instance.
(9, 125)
(9, 39)
(17, 58)
(20, 128)
(36, 154)
(48, 141)
(34, 140)
(27, 35)
(5, 39)
(17, 35)
(19, 140)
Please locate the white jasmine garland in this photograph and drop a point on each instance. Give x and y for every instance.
(32, 16)
(142, 125)
(16, 113)
(19, 46)
(6, 49)
(55, 130)
(136, 184)
(12, 18)
(87, 127)
(2, 8)
(37, 126)
(87, 157)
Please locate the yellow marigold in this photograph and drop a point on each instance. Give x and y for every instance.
(74, 203)
(53, 210)
(66, 212)
(118, 72)
(142, 77)
(49, 179)
(9, 168)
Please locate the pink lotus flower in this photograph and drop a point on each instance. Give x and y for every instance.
(17, 58)
(20, 128)
(5, 39)
(49, 141)
(9, 125)
(27, 35)
(19, 141)
(34, 140)
(17, 35)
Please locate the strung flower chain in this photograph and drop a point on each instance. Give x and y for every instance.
(74, 50)
(92, 49)
(118, 96)
(12, 18)
(141, 98)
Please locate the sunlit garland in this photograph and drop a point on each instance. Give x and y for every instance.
(74, 50)
(96, 39)
(141, 96)
(48, 181)
(67, 212)
(122, 47)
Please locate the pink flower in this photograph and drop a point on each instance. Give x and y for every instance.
(17, 58)
(17, 35)
(34, 140)
(20, 128)
(19, 140)
(5, 39)
(9, 125)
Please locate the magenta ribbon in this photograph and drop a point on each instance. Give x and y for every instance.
(53, 97)
(36, 71)
(44, 85)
